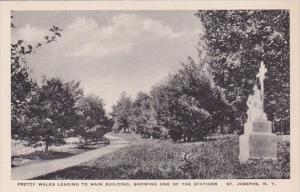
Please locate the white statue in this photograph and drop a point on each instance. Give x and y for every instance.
(258, 141)
(255, 102)
(255, 106)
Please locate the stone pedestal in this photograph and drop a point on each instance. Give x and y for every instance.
(258, 141)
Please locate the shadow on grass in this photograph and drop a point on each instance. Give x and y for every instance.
(44, 156)
(108, 173)
(37, 156)
(87, 172)
(85, 147)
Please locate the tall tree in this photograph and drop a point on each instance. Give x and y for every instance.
(237, 42)
(121, 113)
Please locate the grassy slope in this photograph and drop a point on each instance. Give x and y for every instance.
(156, 159)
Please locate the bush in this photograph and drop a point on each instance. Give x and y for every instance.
(204, 125)
(94, 134)
(156, 132)
(175, 133)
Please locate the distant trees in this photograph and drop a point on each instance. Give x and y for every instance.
(138, 116)
(91, 108)
(188, 105)
(121, 113)
(143, 119)
(93, 121)
(236, 42)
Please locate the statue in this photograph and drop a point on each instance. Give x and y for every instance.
(255, 102)
(258, 141)
(255, 106)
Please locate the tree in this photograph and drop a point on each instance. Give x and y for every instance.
(189, 102)
(52, 112)
(143, 119)
(93, 122)
(121, 113)
(236, 42)
(22, 84)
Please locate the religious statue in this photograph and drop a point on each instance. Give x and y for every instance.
(255, 106)
(255, 102)
(258, 141)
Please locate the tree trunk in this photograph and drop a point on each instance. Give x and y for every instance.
(189, 138)
(46, 147)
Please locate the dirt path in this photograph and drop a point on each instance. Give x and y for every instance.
(117, 142)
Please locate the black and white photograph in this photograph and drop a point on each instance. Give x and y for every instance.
(150, 94)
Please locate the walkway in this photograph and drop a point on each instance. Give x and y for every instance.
(34, 170)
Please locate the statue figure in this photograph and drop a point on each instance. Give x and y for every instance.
(255, 102)
(258, 141)
(255, 106)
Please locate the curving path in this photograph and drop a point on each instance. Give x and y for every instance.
(117, 141)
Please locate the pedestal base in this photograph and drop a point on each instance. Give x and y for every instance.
(258, 145)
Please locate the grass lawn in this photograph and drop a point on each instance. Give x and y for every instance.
(158, 159)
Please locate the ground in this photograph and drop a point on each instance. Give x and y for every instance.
(25, 155)
(117, 141)
(161, 159)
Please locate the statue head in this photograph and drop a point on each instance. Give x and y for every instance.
(255, 89)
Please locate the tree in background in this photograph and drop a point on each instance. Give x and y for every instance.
(93, 121)
(121, 113)
(143, 118)
(189, 105)
(52, 112)
(236, 42)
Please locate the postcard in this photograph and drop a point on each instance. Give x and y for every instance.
(150, 96)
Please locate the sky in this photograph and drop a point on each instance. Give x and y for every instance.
(109, 51)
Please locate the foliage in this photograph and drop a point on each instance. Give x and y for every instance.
(92, 110)
(203, 160)
(236, 42)
(52, 112)
(121, 113)
(143, 119)
(47, 112)
(93, 122)
(22, 84)
(189, 104)
(94, 134)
